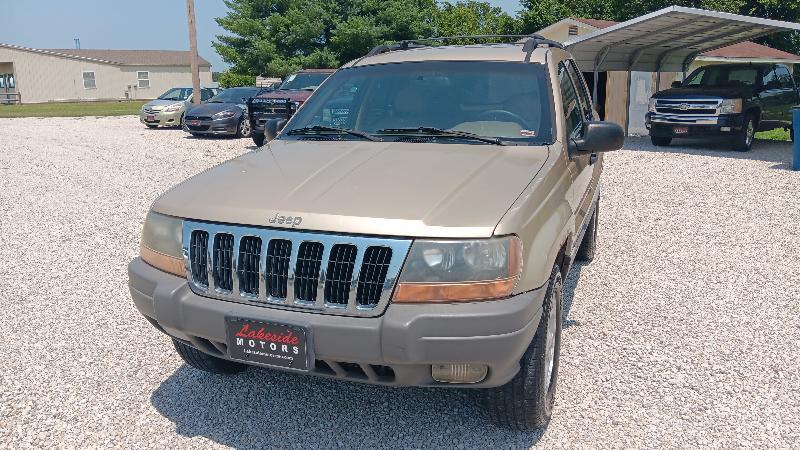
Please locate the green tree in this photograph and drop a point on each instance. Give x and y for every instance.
(229, 79)
(472, 17)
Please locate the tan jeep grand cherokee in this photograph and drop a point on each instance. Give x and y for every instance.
(409, 226)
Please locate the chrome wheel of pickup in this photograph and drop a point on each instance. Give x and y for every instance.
(743, 141)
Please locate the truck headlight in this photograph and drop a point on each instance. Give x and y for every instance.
(227, 114)
(174, 107)
(651, 106)
(463, 270)
(161, 243)
(730, 106)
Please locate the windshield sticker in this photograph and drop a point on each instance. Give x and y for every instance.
(528, 133)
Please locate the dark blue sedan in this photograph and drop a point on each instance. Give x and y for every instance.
(223, 114)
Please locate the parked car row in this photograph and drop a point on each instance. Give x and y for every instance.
(238, 112)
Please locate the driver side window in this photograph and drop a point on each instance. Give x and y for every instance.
(573, 117)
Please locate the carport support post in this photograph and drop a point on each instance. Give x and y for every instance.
(628, 102)
(796, 126)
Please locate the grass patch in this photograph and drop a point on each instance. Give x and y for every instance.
(71, 109)
(774, 135)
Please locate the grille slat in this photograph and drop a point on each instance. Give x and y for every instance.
(248, 270)
(373, 275)
(340, 274)
(334, 274)
(309, 262)
(223, 261)
(198, 256)
(279, 252)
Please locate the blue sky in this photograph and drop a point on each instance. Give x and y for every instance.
(143, 24)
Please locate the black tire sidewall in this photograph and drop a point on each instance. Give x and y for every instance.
(258, 138)
(740, 140)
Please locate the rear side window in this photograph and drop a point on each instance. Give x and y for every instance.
(770, 80)
(569, 99)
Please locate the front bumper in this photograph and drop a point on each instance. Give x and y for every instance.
(161, 118)
(406, 339)
(665, 125)
(212, 127)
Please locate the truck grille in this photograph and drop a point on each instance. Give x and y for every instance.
(336, 274)
(687, 106)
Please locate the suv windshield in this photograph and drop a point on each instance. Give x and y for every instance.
(235, 95)
(437, 101)
(176, 94)
(308, 80)
(722, 76)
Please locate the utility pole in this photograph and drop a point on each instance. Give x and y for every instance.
(193, 53)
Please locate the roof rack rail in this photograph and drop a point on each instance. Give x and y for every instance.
(529, 41)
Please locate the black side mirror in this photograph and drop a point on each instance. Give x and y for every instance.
(676, 84)
(272, 127)
(598, 137)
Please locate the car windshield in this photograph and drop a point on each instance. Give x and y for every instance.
(234, 95)
(722, 76)
(176, 94)
(299, 81)
(434, 101)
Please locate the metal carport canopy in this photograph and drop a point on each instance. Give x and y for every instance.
(667, 40)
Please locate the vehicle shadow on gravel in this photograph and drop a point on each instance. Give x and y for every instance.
(779, 152)
(263, 408)
(568, 293)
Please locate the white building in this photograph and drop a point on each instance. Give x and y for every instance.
(44, 75)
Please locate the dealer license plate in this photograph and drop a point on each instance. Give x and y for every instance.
(267, 343)
(150, 118)
(194, 122)
(680, 130)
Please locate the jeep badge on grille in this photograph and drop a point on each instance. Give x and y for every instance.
(286, 220)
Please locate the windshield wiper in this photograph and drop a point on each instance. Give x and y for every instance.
(317, 128)
(433, 131)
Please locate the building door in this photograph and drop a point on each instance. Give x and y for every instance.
(8, 87)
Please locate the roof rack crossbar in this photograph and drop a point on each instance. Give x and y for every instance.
(530, 43)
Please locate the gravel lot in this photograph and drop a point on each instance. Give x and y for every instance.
(683, 333)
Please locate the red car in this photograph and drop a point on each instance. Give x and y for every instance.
(282, 102)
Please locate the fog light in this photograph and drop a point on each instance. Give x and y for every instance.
(459, 373)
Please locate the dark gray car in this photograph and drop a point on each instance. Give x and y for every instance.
(223, 114)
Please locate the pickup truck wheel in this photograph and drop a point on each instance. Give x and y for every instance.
(660, 141)
(743, 140)
(258, 138)
(206, 362)
(589, 242)
(526, 402)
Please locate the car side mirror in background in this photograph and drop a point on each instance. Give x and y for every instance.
(598, 137)
(272, 127)
(676, 84)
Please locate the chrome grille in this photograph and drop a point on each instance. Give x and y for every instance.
(687, 106)
(223, 261)
(198, 256)
(340, 274)
(318, 272)
(373, 275)
(248, 270)
(277, 275)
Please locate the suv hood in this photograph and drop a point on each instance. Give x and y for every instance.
(703, 92)
(380, 188)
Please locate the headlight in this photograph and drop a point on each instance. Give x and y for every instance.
(453, 271)
(174, 107)
(652, 105)
(161, 243)
(227, 114)
(730, 106)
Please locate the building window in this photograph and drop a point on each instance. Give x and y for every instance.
(573, 30)
(144, 79)
(89, 81)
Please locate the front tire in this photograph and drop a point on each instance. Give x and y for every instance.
(743, 141)
(243, 130)
(526, 402)
(206, 362)
(258, 138)
(660, 141)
